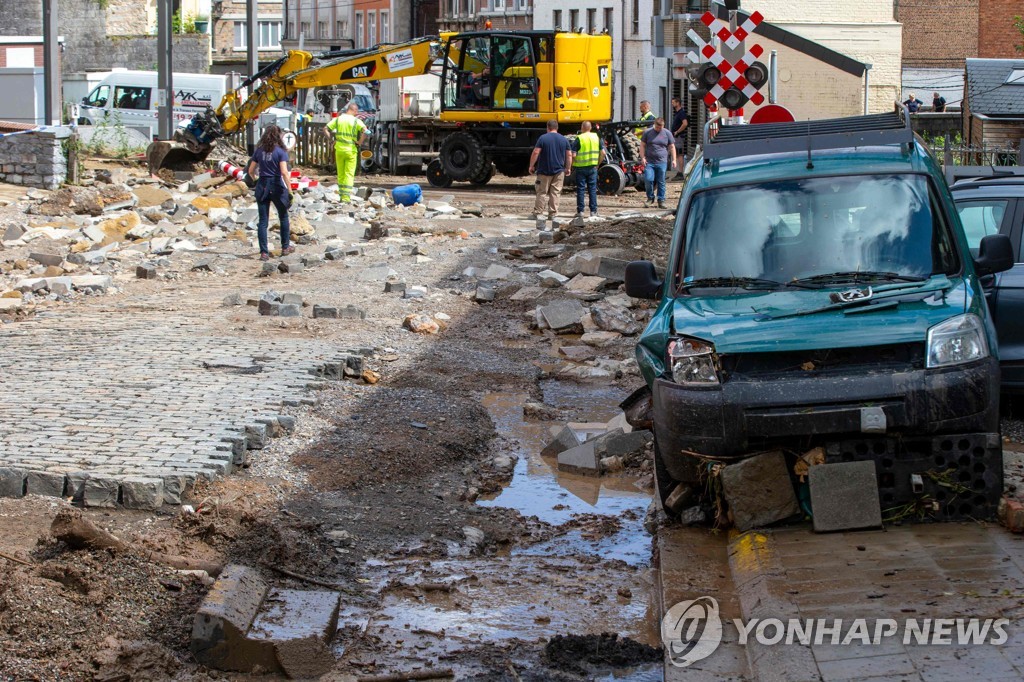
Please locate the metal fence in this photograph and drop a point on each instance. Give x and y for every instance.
(313, 149)
(960, 154)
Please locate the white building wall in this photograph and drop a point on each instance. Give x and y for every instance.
(632, 63)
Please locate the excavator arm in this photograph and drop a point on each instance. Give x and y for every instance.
(297, 70)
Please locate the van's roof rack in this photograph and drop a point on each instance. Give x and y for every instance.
(806, 136)
(964, 175)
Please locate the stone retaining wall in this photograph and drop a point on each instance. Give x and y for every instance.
(35, 159)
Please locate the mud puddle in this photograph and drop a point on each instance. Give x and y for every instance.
(490, 617)
(539, 489)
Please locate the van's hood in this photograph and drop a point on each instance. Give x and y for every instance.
(762, 322)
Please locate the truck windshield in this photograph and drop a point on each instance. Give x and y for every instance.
(819, 230)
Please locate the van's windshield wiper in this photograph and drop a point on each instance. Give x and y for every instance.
(857, 276)
(741, 282)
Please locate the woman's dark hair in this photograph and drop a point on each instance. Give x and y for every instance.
(272, 137)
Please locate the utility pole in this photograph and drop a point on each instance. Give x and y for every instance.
(51, 60)
(165, 66)
(252, 30)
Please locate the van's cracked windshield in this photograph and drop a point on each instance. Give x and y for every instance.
(818, 230)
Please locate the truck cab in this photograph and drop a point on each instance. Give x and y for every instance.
(820, 292)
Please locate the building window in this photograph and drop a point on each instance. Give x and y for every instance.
(498, 4)
(307, 29)
(470, 8)
(385, 26)
(269, 35)
(341, 29)
(371, 27)
(636, 17)
(522, 5)
(609, 14)
(556, 18)
(591, 20)
(574, 19)
(694, 5)
(632, 103)
(322, 28)
(663, 99)
(360, 36)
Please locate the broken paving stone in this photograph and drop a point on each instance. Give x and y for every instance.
(844, 496)
(233, 300)
(268, 269)
(759, 491)
(616, 443)
(581, 459)
(495, 271)
(289, 310)
(484, 294)
(325, 312)
(527, 294)
(550, 279)
(600, 339)
(612, 318)
(564, 317)
(421, 324)
(47, 258)
(269, 308)
(584, 283)
(351, 312)
(291, 299)
(376, 273)
(415, 292)
(291, 267)
(97, 283)
(565, 439)
(13, 233)
(149, 196)
(87, 258)
(46, 483)
(394, 287)
(142, 493)
(578, 353)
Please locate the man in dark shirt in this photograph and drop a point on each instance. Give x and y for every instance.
(659, 152)
(551, 156)
(938, 102)
(679, 122)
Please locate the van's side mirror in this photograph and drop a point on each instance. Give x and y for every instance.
(995, 254)
(642, 280)
(85, 100)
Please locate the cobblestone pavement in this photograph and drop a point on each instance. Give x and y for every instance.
(133, 404)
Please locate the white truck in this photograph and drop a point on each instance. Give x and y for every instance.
(129, 98)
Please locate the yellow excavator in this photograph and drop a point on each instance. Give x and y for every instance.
(500, 88)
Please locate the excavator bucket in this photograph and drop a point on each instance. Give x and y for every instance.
(173, 156)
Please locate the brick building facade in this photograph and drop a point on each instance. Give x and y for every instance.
(928, 41)
(471, 15)
(997, 37)
(230, 34)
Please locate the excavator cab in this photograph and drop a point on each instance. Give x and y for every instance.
(488, 71)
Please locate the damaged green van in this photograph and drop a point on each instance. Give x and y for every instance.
(820, 292)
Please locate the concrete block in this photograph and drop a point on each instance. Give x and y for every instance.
(46, 483)
(496, 271)
(291, 299)
(138, 492)
(289, 310)
(394, 287)
(759, 491)
(564, 316)
(270, 308)
(12, 482)
(581, 459)
(563, 440)
(101, 491)
(291, 268)
(844, 496)
(484, 294)
(320, 311)
(46, 258)
(223, 620)
(287, 422)
(618, 443)
(256, 436)
(176, 487)
(351, 312)
(76, 485)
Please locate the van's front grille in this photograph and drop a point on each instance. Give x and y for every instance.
(829, 361)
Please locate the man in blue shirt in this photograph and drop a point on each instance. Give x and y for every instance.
(551, 156)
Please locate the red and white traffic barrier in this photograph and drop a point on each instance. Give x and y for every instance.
(234, 171)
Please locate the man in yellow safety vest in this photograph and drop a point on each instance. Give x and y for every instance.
(348, 133)
(645, 115)
(588, 153)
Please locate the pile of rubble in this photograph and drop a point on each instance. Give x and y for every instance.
(77, 241)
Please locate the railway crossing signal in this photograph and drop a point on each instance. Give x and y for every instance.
(716, 79)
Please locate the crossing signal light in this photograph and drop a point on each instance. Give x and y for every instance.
(756, 74)
(704, 77)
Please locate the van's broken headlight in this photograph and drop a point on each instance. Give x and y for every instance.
(692, 362)
(958, 340)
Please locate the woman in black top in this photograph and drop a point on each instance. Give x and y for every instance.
(271, 158)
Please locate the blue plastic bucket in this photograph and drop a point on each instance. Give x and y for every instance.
(407, 195)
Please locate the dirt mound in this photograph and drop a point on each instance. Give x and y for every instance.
(652, 235)
(394, 435)
(570, 652)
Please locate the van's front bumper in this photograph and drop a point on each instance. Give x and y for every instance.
(741, 416)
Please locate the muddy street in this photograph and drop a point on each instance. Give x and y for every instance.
(344, 458)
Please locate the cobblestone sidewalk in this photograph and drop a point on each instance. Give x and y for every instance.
(131, 407)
